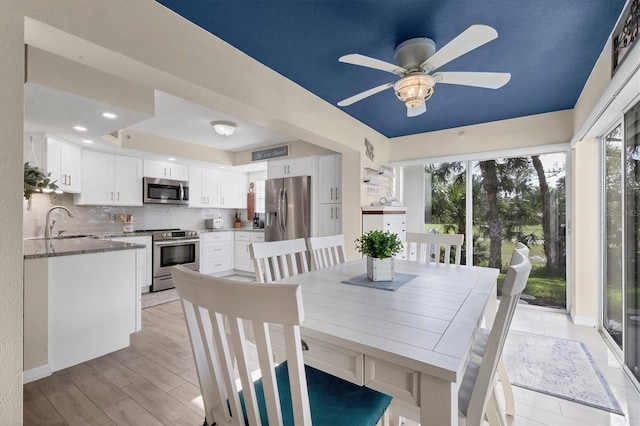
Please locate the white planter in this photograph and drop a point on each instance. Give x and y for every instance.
(380, 269)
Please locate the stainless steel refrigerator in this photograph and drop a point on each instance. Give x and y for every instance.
(287, 208)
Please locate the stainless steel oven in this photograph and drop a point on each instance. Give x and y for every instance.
(172, 248)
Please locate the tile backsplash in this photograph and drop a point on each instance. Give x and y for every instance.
(106, 219)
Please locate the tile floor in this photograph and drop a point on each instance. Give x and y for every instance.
(153, 382)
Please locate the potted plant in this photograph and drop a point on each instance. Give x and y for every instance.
(380, 248)
(36, 180)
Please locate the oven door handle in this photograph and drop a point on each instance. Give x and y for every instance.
(175, 242)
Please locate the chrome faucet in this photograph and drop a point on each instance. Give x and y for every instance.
(49, 227)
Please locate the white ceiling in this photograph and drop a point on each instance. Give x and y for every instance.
(180, 119)
(55, 112)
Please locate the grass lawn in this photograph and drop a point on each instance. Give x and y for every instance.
(548, 290)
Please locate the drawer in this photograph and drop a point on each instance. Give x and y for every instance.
(257, 237)
(216, 236)
(243, 235)
(399, 382)
(216, 265)
(340, 362)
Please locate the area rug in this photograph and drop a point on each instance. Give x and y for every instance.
(557, 367)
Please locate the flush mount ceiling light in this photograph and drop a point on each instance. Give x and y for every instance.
(224, 128)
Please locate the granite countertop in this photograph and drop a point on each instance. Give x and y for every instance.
(247, 229)
(40, 247)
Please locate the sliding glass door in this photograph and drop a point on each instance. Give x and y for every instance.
(613, 242)
(631, 343)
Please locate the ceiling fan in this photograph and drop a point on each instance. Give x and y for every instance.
(417, 59)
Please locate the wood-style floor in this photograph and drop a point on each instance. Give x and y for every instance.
(153, 382)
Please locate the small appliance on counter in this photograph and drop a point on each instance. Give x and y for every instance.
(258, 221)
(213, 223)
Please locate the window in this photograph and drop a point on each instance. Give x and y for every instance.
(260, 197)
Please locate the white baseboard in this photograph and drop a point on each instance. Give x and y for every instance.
(36, 373)
(583, 320)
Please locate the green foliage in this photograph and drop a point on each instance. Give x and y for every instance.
(379, 244)
(36, 180)
(548, 290)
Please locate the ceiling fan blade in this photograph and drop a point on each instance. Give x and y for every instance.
(488, 80)
(365, 94)
(415, 111)
(366, 61)
(471, 38)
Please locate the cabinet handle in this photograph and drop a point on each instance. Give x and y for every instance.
(337, 193)
(165, 172)
(331, 194)
(332, 212)
(169, 171)
(112, 195)
(69, 180)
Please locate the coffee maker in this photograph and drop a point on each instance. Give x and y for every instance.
(258, 220)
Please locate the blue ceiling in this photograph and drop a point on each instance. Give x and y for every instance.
(548, 46)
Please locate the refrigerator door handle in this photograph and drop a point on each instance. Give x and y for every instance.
(285, 203)
(279, 211)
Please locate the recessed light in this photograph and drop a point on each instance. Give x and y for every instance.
(109, 115)
(222, 167)
(89, 141)
(79, 128)
(171, 159)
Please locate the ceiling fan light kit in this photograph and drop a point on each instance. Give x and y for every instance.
(416, 60)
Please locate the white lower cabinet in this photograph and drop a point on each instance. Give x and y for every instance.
(330, 219)
(144, 269)
(216, 252)
(243, 240)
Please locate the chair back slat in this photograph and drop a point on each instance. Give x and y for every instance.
(515, 282)
(427, 248)
(206, 301)
(326, 251)
(279, 259)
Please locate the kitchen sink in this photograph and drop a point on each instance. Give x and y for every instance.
(63, 237)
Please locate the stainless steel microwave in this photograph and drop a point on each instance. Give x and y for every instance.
(165, 191)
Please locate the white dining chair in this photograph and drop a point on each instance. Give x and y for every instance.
(482, 339)
(430, 247)
(288, 393)
(274, 260)
(477, 398)
(326, 251)
(479, 379)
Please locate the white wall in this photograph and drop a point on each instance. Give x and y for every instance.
(11, 118)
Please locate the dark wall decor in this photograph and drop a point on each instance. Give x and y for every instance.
(625, 35)
(369, 149)
(265, 154)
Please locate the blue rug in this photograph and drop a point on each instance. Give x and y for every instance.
(363, 281)
(557, 367)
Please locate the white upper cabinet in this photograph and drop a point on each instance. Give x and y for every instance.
(290, 167)
(330, 179)
(204, 187)
(233, 190)
(110, 180)
(215, 188)
(166, 170)
(64, 164)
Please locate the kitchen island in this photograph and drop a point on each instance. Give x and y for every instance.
(80, 301)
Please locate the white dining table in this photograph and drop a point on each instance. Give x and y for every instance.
(413, 343)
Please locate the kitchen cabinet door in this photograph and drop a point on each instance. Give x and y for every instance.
(203, 187)
(233, 190)
(98, 175)
(242, 258)
(330, 179)
(330, 221)
(127, 181)
(110, 180)
(290, 167)
(166, 170)
(64, 164)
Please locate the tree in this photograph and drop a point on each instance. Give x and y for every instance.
(550, 242)
(489, 173)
